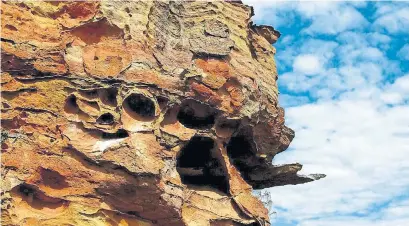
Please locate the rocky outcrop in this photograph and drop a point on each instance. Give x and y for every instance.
(138, 113)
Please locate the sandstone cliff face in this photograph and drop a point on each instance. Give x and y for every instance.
(138, 113)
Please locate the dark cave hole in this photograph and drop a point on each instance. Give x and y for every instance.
(162, 101)
(37, 199)
(197, 165)
(241, 152)
(105, 119)
(239, 147)
(108, 96)
(71, 105)
(195, 115)
(139, 106)
(121, 133)
(26, 190)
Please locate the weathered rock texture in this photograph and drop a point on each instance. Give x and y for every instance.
(138, 113)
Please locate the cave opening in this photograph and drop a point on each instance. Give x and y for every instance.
(105, 119)
(241, 151)
(197, 165)
(239, 147)
(120, 133)
(195, 115)
(25, 189)
(108, 96)
(71, 105)
(140, 107)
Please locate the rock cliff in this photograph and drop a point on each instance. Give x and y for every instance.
(138, 113)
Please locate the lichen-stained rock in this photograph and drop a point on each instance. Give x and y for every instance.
(138, 113)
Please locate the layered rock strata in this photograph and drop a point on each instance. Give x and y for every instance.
(138, 113)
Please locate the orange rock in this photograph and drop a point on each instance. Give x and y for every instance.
(205, 93)
(106, 59)
(75, 13)
(217, 72)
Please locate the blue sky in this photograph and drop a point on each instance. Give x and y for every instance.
(344, 83)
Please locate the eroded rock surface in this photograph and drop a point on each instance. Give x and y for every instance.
(138, 113)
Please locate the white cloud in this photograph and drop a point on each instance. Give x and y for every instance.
(393, 21)
(361, 149)
(307, 64)
(378, 39)
(323, 17)
(290, 100)
(322, 48)
(331, 17)
(402, 84)
(357, 68)
(397, 92)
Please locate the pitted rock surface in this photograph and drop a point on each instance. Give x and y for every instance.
(138, 113)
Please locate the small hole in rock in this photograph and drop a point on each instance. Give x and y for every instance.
(10, 27)
(197, 165)
(195, 115)
(4, 146)
(121, 133)
(39, 200)
(162, 101)
(132, 213)
(71, 105)
(139, 107)
(105, 119)
(108, 96)
(26, 190)
(5, 105)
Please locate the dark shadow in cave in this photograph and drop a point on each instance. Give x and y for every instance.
(120, 133)
(197, 165)
(71, 105)
(139, 107)
(241, 151)
(105, 119)
(195, 115)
